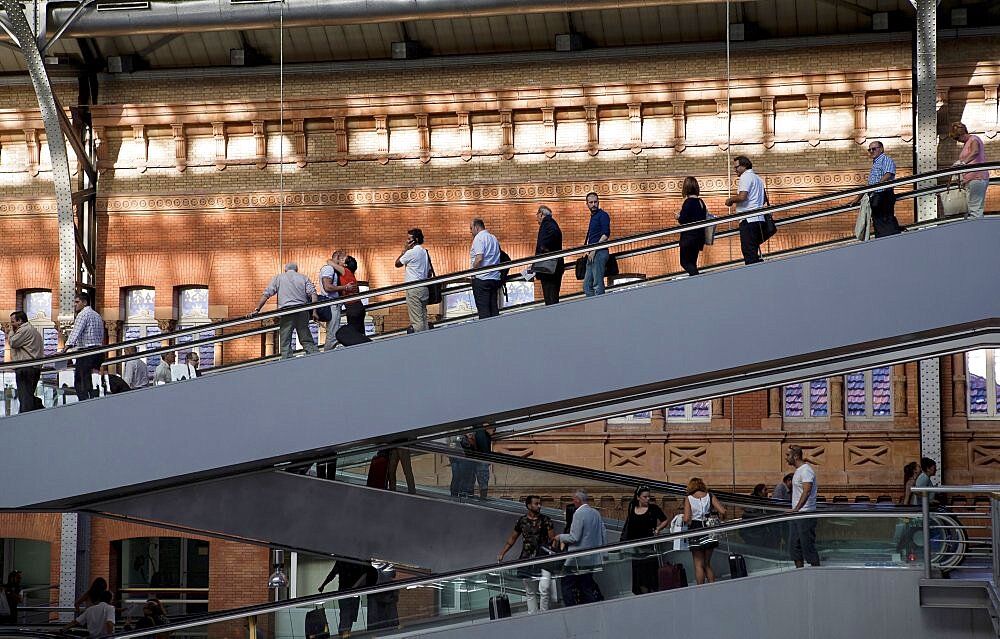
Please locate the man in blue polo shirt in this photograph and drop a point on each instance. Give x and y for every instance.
(883, 202)
(598, 231)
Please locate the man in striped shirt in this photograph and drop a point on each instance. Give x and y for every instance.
(883, 202)
(88, 332)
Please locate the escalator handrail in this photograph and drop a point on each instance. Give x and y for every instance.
(571, 296)
(461, 275)
(322, 598)
(604, 476)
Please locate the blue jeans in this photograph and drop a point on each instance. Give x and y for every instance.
(593, 279)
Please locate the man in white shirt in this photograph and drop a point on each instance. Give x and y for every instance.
(750, 196)
(98, 619)
(485, 286)
(163, 374)
(417, 263)
(803, 532)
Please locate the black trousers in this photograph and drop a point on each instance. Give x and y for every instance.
(550, 286)
(356, 316)
(487, 300)
(27, 382)
(581, 589)
(82, 381)
(802, 541)
(884, 214)
(751, 237)
(689, 254)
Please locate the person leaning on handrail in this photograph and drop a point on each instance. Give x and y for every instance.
(87, 332)
(25, 343)
(292, 289)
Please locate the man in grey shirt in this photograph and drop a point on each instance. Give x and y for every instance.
(783, 491)
(136, 374)
(587, 531)
(292, 289)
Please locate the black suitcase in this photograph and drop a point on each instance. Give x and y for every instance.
(499, 607)
(349, 336)
(737, 566)
(317, 626)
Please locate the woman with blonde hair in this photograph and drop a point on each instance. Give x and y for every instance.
(697, 507)
(973, 152)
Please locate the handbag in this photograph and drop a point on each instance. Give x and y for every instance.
(709, 230)
(434, 291)
(581, 267)
(611, 267)
(769, 228)
(548, 267)
(954, 201)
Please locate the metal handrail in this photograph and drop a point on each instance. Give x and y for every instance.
(417, 582)
(578, 295)
(460, 275)
(927, 492)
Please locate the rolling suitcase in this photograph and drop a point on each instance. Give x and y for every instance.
(499, 607)
(317, 626)
(500, 604)
(737, 566)
(349, 336)
(672, 576)
(378, 470)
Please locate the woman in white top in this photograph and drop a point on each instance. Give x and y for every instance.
(697, 506)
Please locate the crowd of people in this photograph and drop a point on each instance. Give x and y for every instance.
(337, 277)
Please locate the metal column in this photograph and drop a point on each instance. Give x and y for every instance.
(26, 38)
(925, 97)
(925, 159)
(68, 543)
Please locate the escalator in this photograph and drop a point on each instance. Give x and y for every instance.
(862, 572)
(394, 525)
(894, 299)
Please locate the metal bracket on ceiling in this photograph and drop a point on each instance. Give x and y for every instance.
(73, 17)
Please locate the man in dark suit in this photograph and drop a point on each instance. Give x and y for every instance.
(549, 240)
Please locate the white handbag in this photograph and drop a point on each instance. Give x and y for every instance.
(954, 201)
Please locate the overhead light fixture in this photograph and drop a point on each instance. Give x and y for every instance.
(278, 578)
(123, 5)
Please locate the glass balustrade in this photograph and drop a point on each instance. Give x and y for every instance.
(859, 540)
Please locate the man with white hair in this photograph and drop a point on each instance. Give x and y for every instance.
(587, 531)
(292, 289)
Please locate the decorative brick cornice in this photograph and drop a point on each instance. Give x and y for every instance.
(404, 196)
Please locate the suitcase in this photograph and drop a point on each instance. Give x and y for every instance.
(349, 336)
(499, 607)
(672, 576)
(378, 470)
(737, 566)
(317, 626)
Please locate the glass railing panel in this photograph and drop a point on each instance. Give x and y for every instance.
(862, 540)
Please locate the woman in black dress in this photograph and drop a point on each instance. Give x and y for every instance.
(644, 520)
(693, 210)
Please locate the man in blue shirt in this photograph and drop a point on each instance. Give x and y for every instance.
(598, 231)
(485, 286)
(883, 202)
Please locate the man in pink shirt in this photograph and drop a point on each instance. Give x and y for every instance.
(973, 152)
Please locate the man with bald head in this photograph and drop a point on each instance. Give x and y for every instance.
(292, 289)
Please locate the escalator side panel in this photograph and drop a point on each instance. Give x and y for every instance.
(331, 517)
(561, 356)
